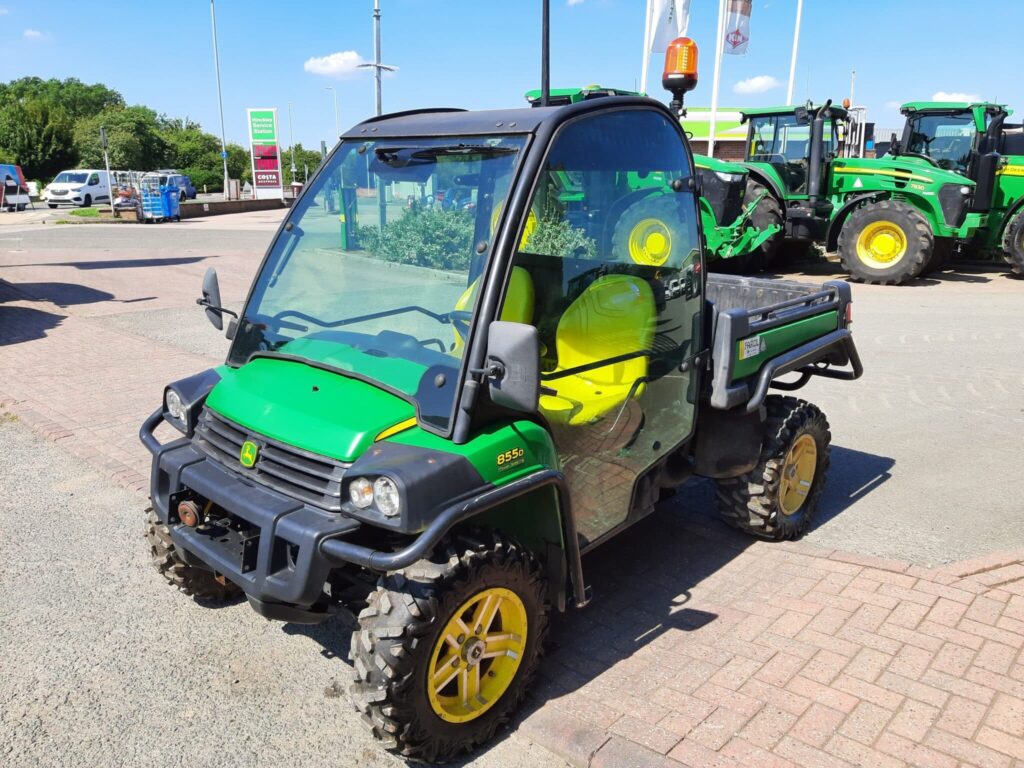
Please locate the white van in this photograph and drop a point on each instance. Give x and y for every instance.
(78, 187)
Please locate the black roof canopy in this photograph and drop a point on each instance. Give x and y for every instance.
(460, 122)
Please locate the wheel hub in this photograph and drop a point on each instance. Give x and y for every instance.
(473, 651)
(650, 242)
(881, 244)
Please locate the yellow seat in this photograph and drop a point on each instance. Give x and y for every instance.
(614, 316)
(518, 307)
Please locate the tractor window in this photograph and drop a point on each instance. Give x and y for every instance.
(609, 270)
(946, 139)
(784, 143)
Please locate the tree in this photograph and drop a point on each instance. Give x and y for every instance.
(303, 158)
(134, 137)
(76, 98)
(38, 136)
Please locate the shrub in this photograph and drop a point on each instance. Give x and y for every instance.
(426, 237)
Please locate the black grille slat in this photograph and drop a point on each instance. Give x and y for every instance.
(301, 464)
(313, 479)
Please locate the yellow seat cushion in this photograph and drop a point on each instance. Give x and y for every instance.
(614, 316)
(518, 307)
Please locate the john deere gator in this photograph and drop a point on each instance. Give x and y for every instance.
(428, 417)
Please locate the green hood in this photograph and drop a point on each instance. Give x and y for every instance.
(918, 169)
(311, 408)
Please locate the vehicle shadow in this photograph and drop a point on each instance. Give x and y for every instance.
(63, 294)
(852, 475)
(20, 324)
(172, 261)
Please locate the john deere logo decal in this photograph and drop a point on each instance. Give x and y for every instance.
(248, 454)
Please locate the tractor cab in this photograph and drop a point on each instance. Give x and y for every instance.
(790, 150)
(969, 139)
(781, 138)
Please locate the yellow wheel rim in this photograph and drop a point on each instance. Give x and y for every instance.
(477, 655)
(650, 243)
(798, 474)
(528, 230)
(881, 244)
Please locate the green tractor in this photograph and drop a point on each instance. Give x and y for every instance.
(891, 219)
(430, 420)
(741, 220)
(976, 141)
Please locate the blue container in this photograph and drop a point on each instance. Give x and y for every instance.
(170, 202)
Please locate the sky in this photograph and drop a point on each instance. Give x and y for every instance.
(483, 54)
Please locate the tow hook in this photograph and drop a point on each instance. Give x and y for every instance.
(188, 513)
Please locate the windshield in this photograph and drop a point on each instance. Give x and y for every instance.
(375, 272)
(946, 139)
(67, 177)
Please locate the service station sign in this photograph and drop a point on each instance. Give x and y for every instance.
(265, 154)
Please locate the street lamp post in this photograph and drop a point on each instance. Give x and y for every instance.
(378, 68)
(337, 125)
(220, 101)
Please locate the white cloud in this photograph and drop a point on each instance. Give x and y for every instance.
(955, 96)
(574, 2)
(758, 84)
(4, 11)
(340, 64)
(32, 34)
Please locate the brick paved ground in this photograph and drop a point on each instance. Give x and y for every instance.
(704, 649)
(701, 647)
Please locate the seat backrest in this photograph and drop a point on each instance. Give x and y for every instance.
(613, 316)
(518, 307)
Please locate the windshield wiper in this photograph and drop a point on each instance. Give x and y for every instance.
(464, 149)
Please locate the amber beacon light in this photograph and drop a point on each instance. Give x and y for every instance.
(680, 75)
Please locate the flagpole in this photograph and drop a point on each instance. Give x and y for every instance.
(713, 126)
(796, 47)
(647, 49)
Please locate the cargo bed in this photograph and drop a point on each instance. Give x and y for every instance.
(763, 329)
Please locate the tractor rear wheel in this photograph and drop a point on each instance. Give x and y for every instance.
(444, 651)
(778, 498)
(1013, 244)
(201, 584)
(885, 243)
(767, 214)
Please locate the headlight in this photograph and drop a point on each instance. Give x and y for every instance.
(360, 492)
(385, 494)
(965, 191)
(729, 178)
(174, 407)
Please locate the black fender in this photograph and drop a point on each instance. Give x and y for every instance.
(836, 225)
(767, 182)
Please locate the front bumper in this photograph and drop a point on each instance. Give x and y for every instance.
(272, 550)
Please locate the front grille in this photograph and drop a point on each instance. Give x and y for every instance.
(306, 476)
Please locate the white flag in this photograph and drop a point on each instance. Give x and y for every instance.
(737, 27)
(669, 20)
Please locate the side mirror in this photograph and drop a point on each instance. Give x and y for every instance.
(211, 298)
(513, 357)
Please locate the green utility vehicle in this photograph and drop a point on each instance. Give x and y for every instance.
(891, 219)
(741, 220)
(976, 141)
(430, 420)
